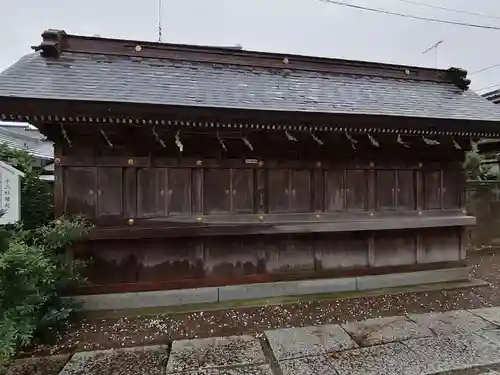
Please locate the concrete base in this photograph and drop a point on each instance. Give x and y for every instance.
(178, 297)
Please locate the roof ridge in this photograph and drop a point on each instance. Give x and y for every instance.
(56, 42)
(284, 71)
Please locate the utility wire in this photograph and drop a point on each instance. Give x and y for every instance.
(484, 69)
(477, 26)
(448, 9)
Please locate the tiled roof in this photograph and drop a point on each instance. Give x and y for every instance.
(492, 96)
(83, 76)
(27, 139)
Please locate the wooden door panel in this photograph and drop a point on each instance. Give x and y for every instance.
(151, 186)
(386, 189)
(109, 191)
(216, 191)
(406, 192)
(197, 190)
(279, 190)
(334, 191)
(453, 188)
(440, 245)
(432, 180)
(356, 190)
(262, 194)
(300, 198)
(394, 249)
(242, 190)
(80, 190)
(179, 191)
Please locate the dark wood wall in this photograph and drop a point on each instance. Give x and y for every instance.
(151, 264)
(250, 200)
(234, 187)
(139, 172)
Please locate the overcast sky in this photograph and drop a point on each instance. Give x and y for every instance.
(307, 27)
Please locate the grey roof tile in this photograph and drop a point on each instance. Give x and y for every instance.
(27, 139)
(159, 81)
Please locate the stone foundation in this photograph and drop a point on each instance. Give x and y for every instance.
(117, 301)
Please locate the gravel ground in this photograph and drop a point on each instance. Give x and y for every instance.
(160, 329)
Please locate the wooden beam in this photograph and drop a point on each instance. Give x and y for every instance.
(193, 229)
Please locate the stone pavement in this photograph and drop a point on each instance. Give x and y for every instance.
(456, 342)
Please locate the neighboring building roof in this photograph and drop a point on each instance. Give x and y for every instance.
(492, 96)
(49, 168)
(486, 145)
(27, 138)
(50, 177)
(106, 70)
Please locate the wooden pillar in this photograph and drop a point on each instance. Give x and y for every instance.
(58, 182)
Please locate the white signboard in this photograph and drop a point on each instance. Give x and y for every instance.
(10, 193)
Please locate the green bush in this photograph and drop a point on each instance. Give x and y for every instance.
(34, 273)
(476, 169)
(37, 206)
(26, 277)
(33, 276)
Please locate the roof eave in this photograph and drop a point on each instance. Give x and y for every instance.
(37, 111)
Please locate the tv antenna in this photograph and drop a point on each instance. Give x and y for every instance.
(160, 11)
(434, 47)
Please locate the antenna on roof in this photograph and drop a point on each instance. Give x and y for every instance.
(434, 47)
(160, 11)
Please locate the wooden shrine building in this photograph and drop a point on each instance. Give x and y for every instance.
(209, 166)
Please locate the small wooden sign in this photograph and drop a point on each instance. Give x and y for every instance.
(10, 194)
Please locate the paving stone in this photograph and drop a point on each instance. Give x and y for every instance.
(214, 352)
(298, 342)
(150, 360)
(449, 322)
(454, 352)
(492, 336)
(483, 370)
(316, 365)
(50, 365)
(247, 370)
(389, 359)
(384, 330)
(491, 314)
